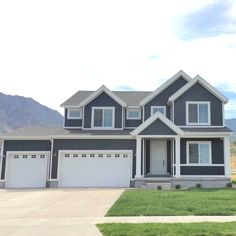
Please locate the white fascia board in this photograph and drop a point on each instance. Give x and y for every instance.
(103, 88)
(150, 120)
(204, 83)
(93, 137)
(164, 86)
(206, 134)
(46, 137)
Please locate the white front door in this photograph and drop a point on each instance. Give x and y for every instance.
(158, 157)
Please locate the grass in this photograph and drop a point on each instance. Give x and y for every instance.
(187, 229)
(175, 202)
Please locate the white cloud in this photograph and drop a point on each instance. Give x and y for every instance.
(51, 49)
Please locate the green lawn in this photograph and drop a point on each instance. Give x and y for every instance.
(175, 202)
(187, 229)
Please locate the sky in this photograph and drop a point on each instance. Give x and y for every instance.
(50, 49)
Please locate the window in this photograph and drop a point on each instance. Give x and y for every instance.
(133, 114)
(198, 113)
(24, 156)
(117, 155)
(33, 156)
(100, 155)
(16, 156)
(83, 155)
(92, 155)
(199, 153)
(75, 155)
(108, 155)
(155, 109)
(74, 114)
(103, 117)
(67, 155)
(42, 156)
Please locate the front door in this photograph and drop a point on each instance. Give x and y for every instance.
(158, 157)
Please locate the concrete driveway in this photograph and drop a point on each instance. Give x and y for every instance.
(53, 211)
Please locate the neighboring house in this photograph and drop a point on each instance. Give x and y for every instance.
(174, 135)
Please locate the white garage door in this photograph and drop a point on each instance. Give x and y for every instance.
(26, 169)
(95, 168)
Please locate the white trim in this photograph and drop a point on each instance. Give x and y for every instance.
(201, 165)
(95, 94)
(158, 136)
(209, 153)
(83, 118)
(164, 86)
(227, 161)
(133, 107)
(126, 127)
(89, 136)
(138, 157)
(204, 83)
(72, 127)
(23, 152)
(173, 112)
(60, 152)
(200, 176)
(51, 157)
(133, 118)
(206, 134)
(1, 158)
(198, 103)
(153, 107)
(74, 118)
(177, 157)
(151, 119)
(197, 127)
(46, 137)
(102, 127)
(143, 118)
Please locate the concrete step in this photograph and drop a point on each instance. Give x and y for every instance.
(152, 185)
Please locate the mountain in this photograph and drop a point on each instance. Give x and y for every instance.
(18, 111)
(231, 123)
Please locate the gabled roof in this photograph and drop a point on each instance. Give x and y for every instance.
(150, 120)
(204, 83)
(96, 93)
(164, 86)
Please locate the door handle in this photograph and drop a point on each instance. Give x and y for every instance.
(163, 163)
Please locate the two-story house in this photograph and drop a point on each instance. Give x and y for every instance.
(173, 135)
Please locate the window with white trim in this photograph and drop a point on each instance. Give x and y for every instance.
(199, 153)
(198, 113)
(103, 117)
(133, 114)
(161, 109)
(74, 113)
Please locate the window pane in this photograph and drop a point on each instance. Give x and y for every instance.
(133, 114)
(74, 113)
(156, 109)
(98, 117)
(204, 153)
(203, 113)
(193, 153)
(192, 113)
(108, 118)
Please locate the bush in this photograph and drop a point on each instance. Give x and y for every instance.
(199, 186)
(159, 187)
(229, 185)
(177, 186)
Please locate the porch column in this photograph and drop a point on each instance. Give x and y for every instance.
(227, 157)
(138, 157)
(177, 156)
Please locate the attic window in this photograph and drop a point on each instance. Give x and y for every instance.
(74, 113)
(155, 109)
(133, 114)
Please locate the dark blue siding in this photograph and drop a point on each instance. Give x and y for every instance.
(24, 145)
(72, 122)
(133, 123)
(162, 98)
(198, 93)
(103, 100)
(90, 144)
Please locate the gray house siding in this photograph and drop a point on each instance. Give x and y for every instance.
(198, 93)
(162, 98)
(158, 128)
(90, 144)
(23, 145)
(217, 147)
(103, 100)
(72, 122)
(132, 123)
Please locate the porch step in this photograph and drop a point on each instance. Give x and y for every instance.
(154, 185)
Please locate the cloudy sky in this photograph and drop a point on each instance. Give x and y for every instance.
(50, 49)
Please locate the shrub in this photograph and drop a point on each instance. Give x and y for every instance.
(229, 185)
(199, 186)
(159, 187)
(177, 186)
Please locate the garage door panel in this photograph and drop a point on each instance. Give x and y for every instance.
(28, 170)
(94, 170)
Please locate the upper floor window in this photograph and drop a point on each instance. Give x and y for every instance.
(103, 117)
(155, 109)
(199, 153)
(198, 113)
(74, 113)
(133, 114)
